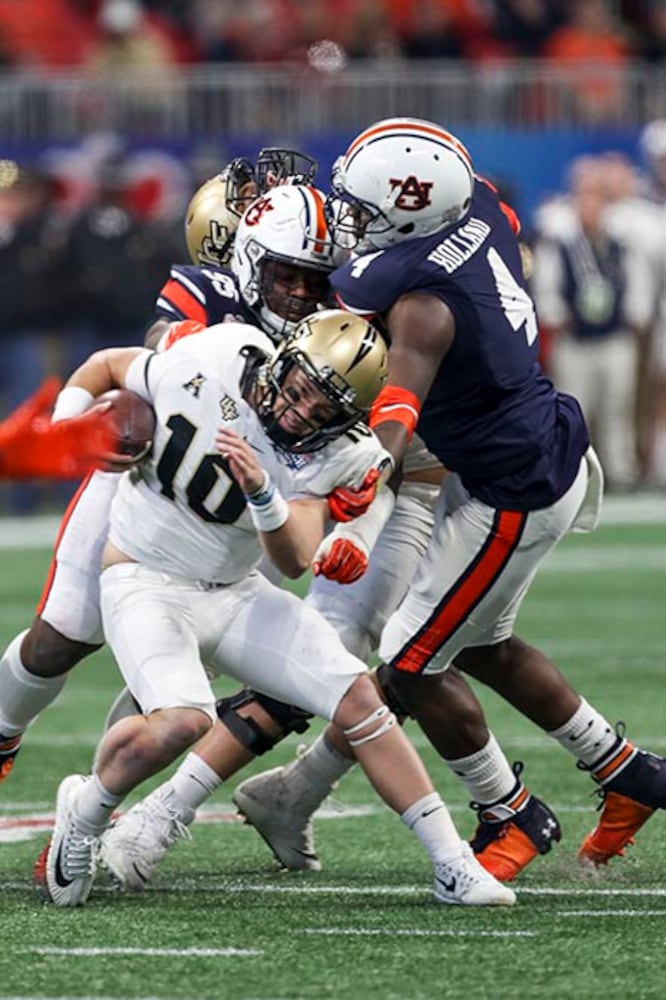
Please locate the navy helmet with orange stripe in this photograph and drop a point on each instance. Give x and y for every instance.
(283, 255)
(399, 178)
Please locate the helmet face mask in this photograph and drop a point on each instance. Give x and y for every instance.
(284, 227)
(321, 380)
(400, 178)
(276, 165)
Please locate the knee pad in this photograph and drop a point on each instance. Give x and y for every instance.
(248, 732)
(124, 705)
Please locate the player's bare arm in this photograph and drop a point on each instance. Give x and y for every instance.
(290, 545)
(103, 370)
(421, 329)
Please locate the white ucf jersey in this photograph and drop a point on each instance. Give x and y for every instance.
(180, 511)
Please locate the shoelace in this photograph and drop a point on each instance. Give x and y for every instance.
(467, 871)
(79, 852)
(172, 828)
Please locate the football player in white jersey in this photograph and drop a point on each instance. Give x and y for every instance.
(33, 668)
(181, 595)
(67, 626)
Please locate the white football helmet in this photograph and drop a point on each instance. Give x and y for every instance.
(283, 255)
(400, 178)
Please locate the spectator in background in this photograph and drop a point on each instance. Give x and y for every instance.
(593, 44)
(431, 32)
(30, 247)
(116, 258)
(652, 46)
(524, 26)
(633, 222)
(586, 291)
(127, 40)
(653, 148)
(52, 33)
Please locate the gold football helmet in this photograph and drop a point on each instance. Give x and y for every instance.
(343, 356)
(214, 212)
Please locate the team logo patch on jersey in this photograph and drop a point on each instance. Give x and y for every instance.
(195, 384)
(414, 194)
(228, 409)
(294, 461)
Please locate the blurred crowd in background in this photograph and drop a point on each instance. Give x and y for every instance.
(88, 230)
(110, 34)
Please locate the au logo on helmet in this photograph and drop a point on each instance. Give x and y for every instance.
(257, 210)
(414, 194)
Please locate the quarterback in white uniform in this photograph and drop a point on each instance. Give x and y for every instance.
(180, 594)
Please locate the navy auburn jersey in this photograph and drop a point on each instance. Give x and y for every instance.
(491, 415)
(208, 294)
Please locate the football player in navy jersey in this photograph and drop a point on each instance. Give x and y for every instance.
(437, 259)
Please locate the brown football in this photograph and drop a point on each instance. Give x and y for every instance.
(133, 418)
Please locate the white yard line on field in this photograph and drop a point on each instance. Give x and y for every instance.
(40, 532)
(611, 913)
(150, 952)
(223, 885)
(409, 932)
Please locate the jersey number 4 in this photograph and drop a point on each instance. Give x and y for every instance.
(516, 303)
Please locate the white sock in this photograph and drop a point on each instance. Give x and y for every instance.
(194, 782)
(323, 764)
(587, 735)
(23, 695)
(431, 821)
(95, 805)
(485, 774)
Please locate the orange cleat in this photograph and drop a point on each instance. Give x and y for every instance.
(9, 747)
(504, 848)
(620, 819)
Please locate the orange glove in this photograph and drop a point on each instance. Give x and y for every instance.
(340, 559)
(36, 448)
(184, 328)
(40, 403)
(345, 504)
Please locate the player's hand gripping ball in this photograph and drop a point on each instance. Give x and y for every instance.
(133, 423)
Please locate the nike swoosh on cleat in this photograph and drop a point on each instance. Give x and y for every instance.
(448, 886)
(60, 878)
(139, 873)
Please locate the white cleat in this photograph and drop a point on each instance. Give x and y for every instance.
(65, 869)
(462, 881)
(133, 846)
(274, 807)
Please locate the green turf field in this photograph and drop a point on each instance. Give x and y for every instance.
(220, 921)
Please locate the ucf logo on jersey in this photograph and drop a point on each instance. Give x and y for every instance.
(414, 194)
(228, 409)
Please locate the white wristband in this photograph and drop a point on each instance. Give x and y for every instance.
(268, 508)
(71, 401)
